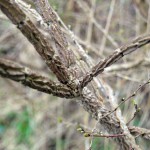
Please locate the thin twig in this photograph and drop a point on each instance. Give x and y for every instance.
(125, 66)
(88, 134)
(137, 110)
(132, 118)
(92, 134)
(128, 98)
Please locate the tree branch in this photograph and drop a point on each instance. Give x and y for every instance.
(137, 131)
(36, 37)
(124, 66)
(16, 72)
(92, 103)
(54, 29)
(128, 98)
(118, 54)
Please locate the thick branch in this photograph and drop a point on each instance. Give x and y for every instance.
(113, 123)
(93, 105)
(16, 72)
(118, 54)
(40, 42)
(54, 29)
(137, 131)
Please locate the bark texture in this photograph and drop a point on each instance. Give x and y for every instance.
(58, 61)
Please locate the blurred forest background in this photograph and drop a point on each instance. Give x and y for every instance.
(32, 120)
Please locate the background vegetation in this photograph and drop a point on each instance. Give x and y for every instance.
(27, 119)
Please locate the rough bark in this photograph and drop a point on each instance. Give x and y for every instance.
(16, 72)
(96, 107)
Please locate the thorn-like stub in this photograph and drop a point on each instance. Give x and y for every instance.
(118, 50)
(20, 25)
(123, 99)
